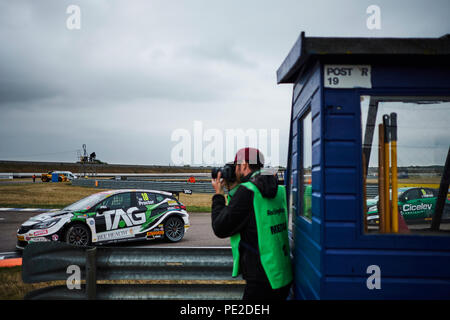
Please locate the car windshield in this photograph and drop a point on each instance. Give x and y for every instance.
(88, 202)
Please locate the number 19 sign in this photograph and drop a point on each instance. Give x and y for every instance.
(347, 76)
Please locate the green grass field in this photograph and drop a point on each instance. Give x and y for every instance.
(61, 194)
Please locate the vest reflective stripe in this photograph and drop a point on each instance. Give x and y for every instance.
(273, 242)
(234, 240)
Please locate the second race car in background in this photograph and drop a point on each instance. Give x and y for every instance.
(110, 216)
(416, 205)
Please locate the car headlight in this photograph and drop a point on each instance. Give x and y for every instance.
(46, 224)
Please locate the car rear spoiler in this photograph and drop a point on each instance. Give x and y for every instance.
(177, 193)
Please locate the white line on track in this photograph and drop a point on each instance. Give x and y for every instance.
(27, 209)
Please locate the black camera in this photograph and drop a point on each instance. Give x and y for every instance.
(228, 172)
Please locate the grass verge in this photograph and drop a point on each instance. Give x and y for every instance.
(60, 195)
(13, 288)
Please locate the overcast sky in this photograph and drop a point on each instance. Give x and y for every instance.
(138, 70)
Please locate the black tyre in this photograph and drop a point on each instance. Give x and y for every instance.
(174, 229)
(78, 234)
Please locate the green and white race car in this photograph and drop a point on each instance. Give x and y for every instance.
(416, 205)
(110, 216)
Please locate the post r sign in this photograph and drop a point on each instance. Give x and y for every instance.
(347, 76)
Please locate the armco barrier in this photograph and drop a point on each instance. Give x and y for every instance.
(50, 262)
(199, 187)
(371, 190)
(6, 175)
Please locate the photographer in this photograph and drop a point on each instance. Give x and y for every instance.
(256, 220)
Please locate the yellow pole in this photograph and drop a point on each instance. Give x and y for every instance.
(381, 187)
(395, 212)
(387, 196)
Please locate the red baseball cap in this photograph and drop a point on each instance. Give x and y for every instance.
(249, 155)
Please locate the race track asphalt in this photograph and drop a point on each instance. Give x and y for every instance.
(200, 233)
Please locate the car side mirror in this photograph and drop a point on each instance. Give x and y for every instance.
(102, 209)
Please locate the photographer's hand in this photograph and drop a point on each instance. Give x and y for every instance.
(218, 184)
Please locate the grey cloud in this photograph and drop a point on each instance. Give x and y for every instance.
(220, 52)
(138, 70)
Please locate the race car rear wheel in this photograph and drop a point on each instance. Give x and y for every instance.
(78, 234)
(174, 229)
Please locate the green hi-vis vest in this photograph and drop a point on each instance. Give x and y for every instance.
(273, 242)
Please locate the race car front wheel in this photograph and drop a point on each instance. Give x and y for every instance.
(174, 229)
(78, 235)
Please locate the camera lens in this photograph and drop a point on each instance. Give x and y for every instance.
(215, 172)
(228, 172)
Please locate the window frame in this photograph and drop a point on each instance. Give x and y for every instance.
(101, 203)
(301, 163)
(151, 196)
(406, 96)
